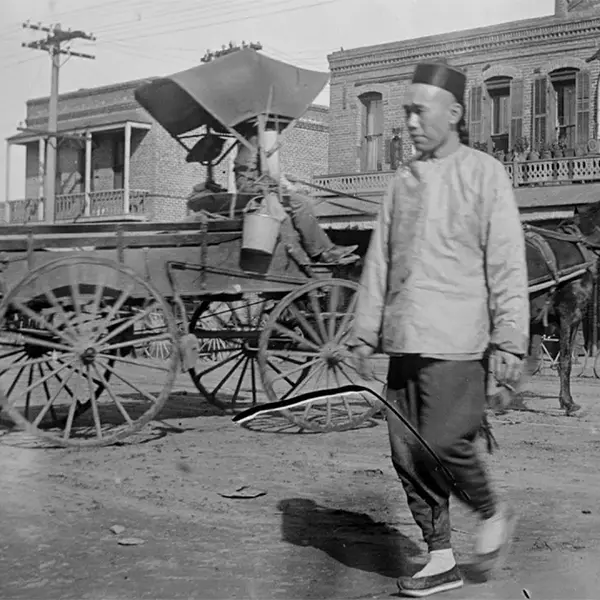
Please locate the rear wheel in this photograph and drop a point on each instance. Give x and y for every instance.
(71, 361)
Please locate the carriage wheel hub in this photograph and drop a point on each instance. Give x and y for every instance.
(88, 356)
(333, 354)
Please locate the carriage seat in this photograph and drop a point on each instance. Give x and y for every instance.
(219, 202)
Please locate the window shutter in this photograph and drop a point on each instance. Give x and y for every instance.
(475, 116)
(552, 113)
(583, 106)
(486, 118)
(538, 136)
(388, 151)
(516, 110)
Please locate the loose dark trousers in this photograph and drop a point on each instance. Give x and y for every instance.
(445, 401)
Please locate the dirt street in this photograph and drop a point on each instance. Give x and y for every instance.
(328, 518)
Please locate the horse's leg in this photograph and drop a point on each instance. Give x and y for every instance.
(568, 332)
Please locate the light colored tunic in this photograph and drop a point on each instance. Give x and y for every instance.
(445, 275)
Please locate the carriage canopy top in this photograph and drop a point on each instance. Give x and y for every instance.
(230, 90)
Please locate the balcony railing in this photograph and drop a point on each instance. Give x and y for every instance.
(69, 207)
(556, 171)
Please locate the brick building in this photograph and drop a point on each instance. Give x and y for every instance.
(114, 159)
(535, 79)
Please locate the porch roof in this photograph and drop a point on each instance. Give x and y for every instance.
(534, 203)
(138, 118)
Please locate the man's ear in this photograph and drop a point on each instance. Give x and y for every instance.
(456, 113)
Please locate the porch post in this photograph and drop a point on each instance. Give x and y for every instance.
(7, 183)
(127, 153)
(41, 177)
(87, 178)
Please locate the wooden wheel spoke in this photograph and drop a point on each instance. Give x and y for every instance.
(92, 392)
(285, 331)
(129, 323)
(131, 361)
(333, 304)
(138, 340)
(33, 341)
(346, 320)
(306, 365)
(220, 364)
(129, 383)
(13, 353)
(71, 415)
(302, 383)
(60, 313)
(314, 303)
(112, 395)
(253, 375)
(238, 386)
(306, 326)
(228, 374)
(292, 355)
(16, 380)
(21, 355)
(74, 290)
(339, 384)
(49, 405)
(112, 312)
(98, 294)
(279, 371)
(28, 395)
(44, 378)
(31, 361)
(347, 364)
(40, 320)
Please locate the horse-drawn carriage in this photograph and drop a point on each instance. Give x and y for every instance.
(72, 328)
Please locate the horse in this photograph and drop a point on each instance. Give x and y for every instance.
(569, 255)
(562, 265)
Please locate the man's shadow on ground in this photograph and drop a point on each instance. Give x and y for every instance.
(355, 540)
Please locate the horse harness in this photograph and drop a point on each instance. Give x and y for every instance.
(537, 238)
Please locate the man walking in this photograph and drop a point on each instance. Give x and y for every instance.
(444, 293)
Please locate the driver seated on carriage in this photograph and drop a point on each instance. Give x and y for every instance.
(250, 178)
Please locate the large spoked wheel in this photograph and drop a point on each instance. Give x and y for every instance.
(303, 349)
(72, 365)
(227, 330)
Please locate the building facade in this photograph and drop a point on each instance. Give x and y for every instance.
(115, 160)
(533, 88)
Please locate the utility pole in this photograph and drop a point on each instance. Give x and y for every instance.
(53, 45)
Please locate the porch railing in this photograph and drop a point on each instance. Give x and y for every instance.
(70, 207)
(556, 171)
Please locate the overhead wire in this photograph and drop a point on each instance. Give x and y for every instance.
(156, 19)
(167, 31)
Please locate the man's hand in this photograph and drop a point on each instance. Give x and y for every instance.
(506, 367)
(363, 362)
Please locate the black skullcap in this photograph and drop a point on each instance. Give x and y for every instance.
(443, 76)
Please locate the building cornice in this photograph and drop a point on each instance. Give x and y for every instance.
(81, 114)
(95, 91)
(473, 41)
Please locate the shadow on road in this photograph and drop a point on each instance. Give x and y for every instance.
(353, 539)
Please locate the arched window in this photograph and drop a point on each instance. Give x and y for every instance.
(495, 112)
(372, 132)
(561, 108)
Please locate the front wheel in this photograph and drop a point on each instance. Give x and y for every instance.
(302, 349)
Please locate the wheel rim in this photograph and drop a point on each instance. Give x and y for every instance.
(85, 384)
(227, 330)
(324, 312)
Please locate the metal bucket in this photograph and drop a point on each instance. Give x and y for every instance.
(259, 238)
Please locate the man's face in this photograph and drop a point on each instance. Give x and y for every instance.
(430, 114)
